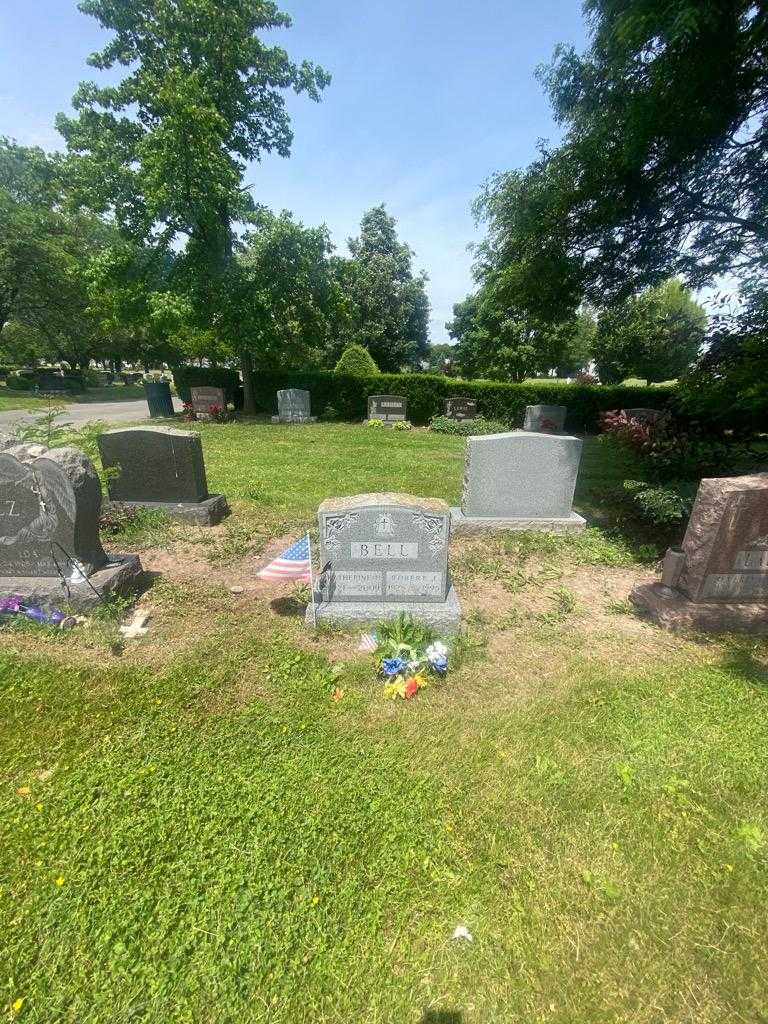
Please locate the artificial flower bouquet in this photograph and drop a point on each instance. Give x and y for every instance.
(408, 669)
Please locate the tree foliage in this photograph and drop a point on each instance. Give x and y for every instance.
(664, 166)
(388, 305)
(356, 361)
(654, 336)
(165, 149)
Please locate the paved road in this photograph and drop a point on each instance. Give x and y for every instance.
(107, 412)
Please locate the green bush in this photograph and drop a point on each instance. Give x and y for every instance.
(187, 377)
(467, 428)
(16, 383)
(426, 395)
(402, 425)
(356, 361)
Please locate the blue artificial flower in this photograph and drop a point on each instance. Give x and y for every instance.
(439, 663)
(392, 666)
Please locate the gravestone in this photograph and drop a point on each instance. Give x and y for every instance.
(723, 573)
(131, 376)
(519, 481)
(648, 417)
(203, 398)
(294, 406)
(50, 551)
(545, 419)
(160, 468)
(104, 378)
(461, 408)
(388, 408)
(383, 554)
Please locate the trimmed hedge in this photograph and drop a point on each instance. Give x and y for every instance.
(425, 394)
(187, 377)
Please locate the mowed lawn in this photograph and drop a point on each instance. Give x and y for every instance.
(193, 830)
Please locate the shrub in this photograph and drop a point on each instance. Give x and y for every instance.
(426, 394)
(402, 425)
(374, 423)
(661, 506)
(467, 428)
(356, 361)
(20, 383)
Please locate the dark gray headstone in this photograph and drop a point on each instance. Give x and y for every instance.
(49, 513)
(204, 398)
(461, 408)
(156, 464)
(389, 408)
(293, 406)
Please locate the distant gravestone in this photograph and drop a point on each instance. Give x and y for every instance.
(382, 554)
(50, 551)
(204, 399)
(104, 378)
(461, 408)
(388, 408)
(545, 419)
(294, 406)
(519, 481)
(160, 468)
(721, 581)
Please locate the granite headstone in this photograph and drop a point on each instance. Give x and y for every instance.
(50, 506)
(723, 582)
(519, 481)
(202, 399)
(461, 408)
(382, 554)
(388, 408)
(294, 406)
(163, 468)
(545, 419)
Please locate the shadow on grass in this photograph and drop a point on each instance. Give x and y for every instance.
(747, 658)
(442, 1017)
(288, 607)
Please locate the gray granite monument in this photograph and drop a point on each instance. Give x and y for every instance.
(718, 580)
(50, 551)
(545, 419)
(461, 409)
(519, 481)
(160, 468)
(203, 399)
(387, 408)
(383, 554)
(293, 406)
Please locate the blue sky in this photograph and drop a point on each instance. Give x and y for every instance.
(429, 98)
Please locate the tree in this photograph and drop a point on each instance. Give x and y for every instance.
(662, 170)
(441, 358)
(389, 307)
(655, 336)
(356, 361)
(45, 253)
(280, 295)
(165, 149)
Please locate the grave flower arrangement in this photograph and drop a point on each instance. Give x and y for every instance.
(408, 657)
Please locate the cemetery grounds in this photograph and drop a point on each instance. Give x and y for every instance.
(226, 822)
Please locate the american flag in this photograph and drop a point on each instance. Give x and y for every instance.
(292, 564)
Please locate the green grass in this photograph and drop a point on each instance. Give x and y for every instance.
(195, 831)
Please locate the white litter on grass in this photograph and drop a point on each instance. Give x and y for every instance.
(137, 626)
(462, 933)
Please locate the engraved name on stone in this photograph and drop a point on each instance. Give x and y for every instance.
(414, 584)
(752, 561)
(736, 585)
(358, 584)
(375, 549)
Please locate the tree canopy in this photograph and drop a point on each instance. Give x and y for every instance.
(664, 165)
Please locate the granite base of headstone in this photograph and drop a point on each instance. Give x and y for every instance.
(382, 555)
(389, 409)
(519, 481)
(545, 419)
(294, 406)
(50, 551)
(160, 468)
(717, 581)
(461, 409)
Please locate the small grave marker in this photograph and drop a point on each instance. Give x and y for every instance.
(461, 408)
(388, 408)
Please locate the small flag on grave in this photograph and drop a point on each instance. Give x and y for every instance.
(293, 564)
(368, 643)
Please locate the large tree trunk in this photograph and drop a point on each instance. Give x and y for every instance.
(249, 399)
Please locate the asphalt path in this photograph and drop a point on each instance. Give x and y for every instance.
(87, 412)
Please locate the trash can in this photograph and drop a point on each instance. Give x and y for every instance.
(159, 398)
